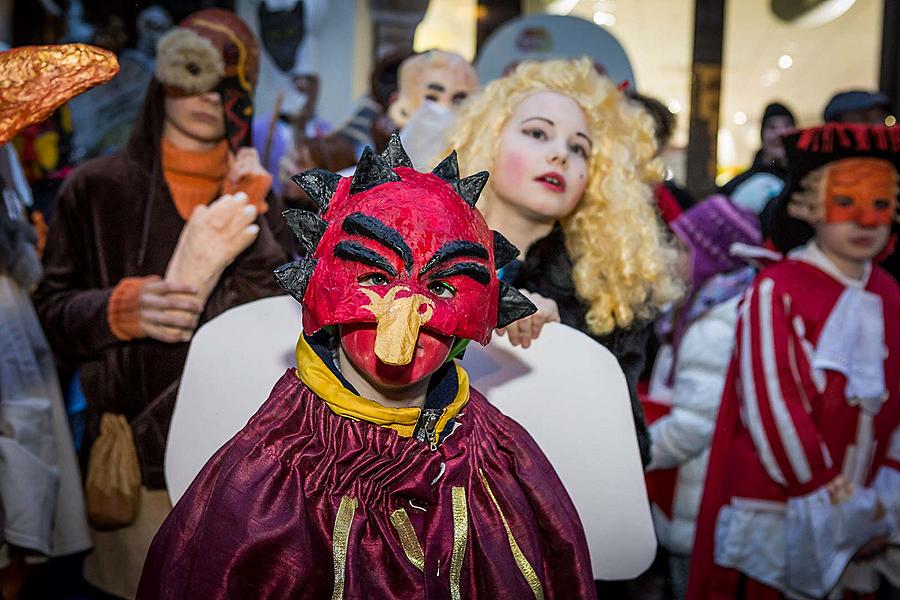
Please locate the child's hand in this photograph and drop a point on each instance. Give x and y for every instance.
(839, 490)
(524, 331)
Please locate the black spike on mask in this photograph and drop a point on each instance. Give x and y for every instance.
(307, 227)
(513, 305)
(371, 171)
(394, 154)
(504, 251)
(293, 277)
(448, 169)
(319, 185)
(469, 188)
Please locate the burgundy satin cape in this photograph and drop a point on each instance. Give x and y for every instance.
(261, 520)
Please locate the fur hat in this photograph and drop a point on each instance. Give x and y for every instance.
(206, 47)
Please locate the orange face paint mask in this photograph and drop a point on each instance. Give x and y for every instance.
(861, 190)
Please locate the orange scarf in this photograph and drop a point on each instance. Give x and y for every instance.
(198, 178)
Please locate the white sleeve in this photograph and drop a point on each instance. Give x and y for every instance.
(28, 477)
(887, 486)
(822, 537)
(699, 378)
(803, 547)
(29, 473)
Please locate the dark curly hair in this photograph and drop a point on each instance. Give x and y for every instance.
(664, 119)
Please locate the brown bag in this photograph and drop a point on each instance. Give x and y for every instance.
(112, 490)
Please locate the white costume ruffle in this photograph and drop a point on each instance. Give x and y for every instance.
(852, 340)
(803, 547)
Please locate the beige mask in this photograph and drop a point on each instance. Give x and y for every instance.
(399, 320)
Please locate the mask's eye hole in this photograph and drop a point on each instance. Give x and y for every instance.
(372, 280)
(882, 204)
(442, 289)
(843, 201)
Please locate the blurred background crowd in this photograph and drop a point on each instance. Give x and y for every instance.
(714, 84)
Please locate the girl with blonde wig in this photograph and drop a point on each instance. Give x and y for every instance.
(572, 165)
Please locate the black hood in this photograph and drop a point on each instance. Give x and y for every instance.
(144, 147)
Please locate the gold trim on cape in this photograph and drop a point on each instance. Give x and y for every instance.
(525, 567)
(339, 540)
(409, 541)
(460, 539)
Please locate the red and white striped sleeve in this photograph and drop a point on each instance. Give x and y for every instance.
(778, 390)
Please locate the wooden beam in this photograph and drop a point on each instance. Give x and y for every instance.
(889, 76)
(706, 84)
(492, 14)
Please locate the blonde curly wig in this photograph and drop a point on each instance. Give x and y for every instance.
(623, 262)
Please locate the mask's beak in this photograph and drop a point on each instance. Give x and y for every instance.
(399, 320)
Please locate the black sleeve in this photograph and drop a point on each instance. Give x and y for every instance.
(630, 348)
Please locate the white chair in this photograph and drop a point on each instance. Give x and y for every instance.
(566, 390)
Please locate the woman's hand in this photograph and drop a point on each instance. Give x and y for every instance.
(524, 331)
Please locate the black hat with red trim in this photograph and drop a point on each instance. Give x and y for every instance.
(810, 149)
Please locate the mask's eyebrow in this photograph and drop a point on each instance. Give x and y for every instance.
(359, 253)
(372, 228)
(455, 249)
(473, 270)
(436, 87)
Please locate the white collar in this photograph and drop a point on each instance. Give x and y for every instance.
(813, 255)
(851, 341)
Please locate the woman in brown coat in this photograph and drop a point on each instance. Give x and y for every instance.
(114, 301)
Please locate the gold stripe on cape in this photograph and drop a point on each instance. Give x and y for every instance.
(339, 540)
(524, 566)
(460, 539)
(409, 541)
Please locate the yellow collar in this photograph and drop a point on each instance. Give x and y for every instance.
(318, 377)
